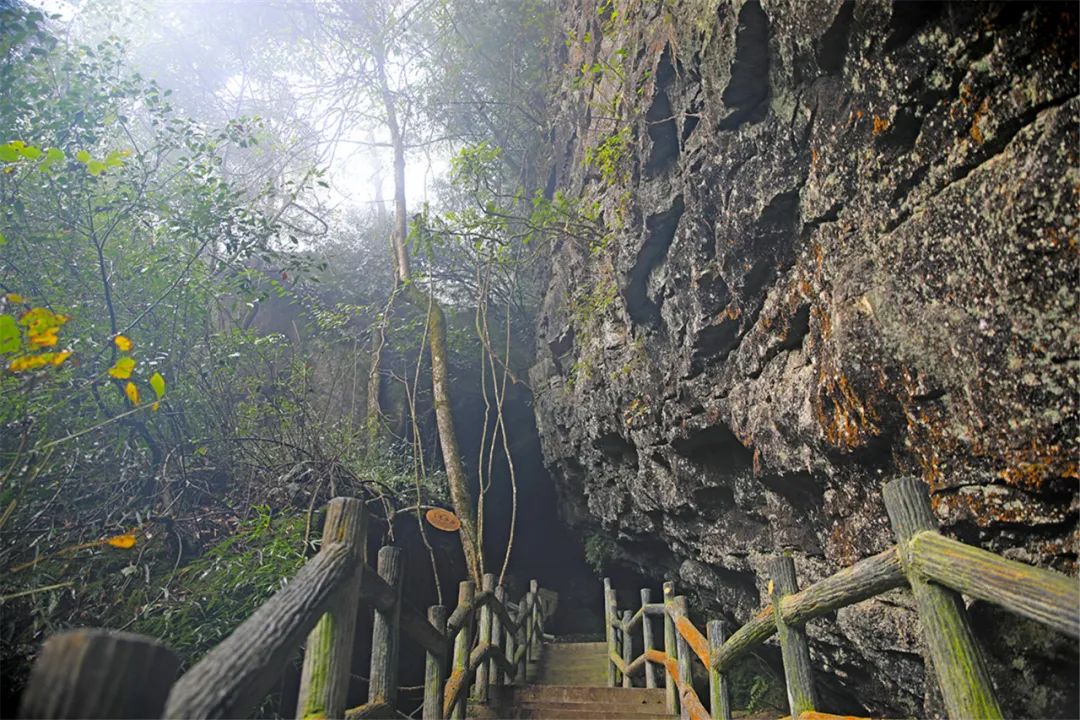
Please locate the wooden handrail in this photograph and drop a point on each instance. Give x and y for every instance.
(1042, 595)
(320, 602)
(932, 565)
(238, 673)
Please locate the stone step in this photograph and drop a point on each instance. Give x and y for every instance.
(587, 713)
(627, 710)
(534, 694)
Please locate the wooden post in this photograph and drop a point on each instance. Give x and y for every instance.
(794, 648)
(719, 699)
(463, 645)
(324, 679)
(686, 670)
(483, 671)
(615, 646)
(537, 622)
(95, 673)
(609, 633)
(511, 650)
(523, 640)
(671, 693)
(647, 638)
(627, 648)
(385, 635)
(497, 637)
(961, 671)
(433, 669)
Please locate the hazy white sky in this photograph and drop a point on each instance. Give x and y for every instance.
(353, 169)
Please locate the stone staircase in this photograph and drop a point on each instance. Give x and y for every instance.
(569, 682)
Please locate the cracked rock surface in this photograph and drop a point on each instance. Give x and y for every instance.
(838, 244)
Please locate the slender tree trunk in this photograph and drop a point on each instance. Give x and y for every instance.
(456, 478)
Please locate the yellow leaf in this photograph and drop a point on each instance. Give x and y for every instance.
(154, 407)
(41, 326)
(132, 392)
(769, 590)
(122, 369)
(124, 542)
(123, 343)
(45, 338)
(60, 357)
(15, 298)
(29, 362)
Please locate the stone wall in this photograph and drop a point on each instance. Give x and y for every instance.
(838, 244)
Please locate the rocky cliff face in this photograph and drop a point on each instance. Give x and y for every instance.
(837, 243)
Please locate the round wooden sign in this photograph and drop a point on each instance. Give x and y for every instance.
(443, 519)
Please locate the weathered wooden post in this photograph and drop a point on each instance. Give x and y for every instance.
(99, 674)
(463, 646)
(609, 632)
(647, 638)
(511, 650)
(497, 636)
(627, 648)
(385, 634)
(537, 621)
(523, 640)
(483, 673)
(324, 679)
(671, 692)
(794, 648)
(719, 699)
(686, 671)
(530, 628)
(433, 669)
(961, 671)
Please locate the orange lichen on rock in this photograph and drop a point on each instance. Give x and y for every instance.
(847, 420)
(881, 124)
(976, 131)
(1030, 467)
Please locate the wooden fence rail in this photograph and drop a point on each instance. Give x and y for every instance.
(486, 640)
(937, 569)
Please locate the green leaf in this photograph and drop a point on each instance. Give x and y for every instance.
(31, 152)
(9, 334)
(3, 240)
(52, 156)
(82, 156)
(8, 153)
(158, 384)
(95, 167)
(116, 158)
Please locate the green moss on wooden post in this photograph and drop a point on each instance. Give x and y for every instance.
(433, 669)
(324, 679)
(462, 646)
(647, 638)
(794, 648)
(385, 635)
(480, 687)
(961, 671)
(719, 698)
(671, 692)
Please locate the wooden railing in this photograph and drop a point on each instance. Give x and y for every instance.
(484, 641)
(937, 569)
